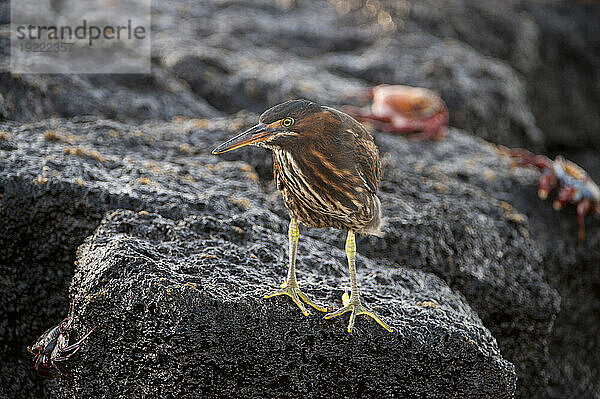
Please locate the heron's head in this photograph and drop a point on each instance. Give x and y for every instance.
(285, 124)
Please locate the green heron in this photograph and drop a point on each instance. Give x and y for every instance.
(327, 167)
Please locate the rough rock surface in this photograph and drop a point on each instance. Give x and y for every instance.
(573, 369)
(59, 177)
(56, 188)
(181, 313)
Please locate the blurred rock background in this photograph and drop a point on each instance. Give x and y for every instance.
(518, 73)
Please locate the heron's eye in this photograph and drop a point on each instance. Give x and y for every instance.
(287, 122)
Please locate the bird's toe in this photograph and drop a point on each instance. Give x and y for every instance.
(298, 297)
(356, 309)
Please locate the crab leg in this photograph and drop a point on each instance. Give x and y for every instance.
(547, 182)
(61, 371)
(521, 157)
(77, 344)
(583, 208)
(565, 196)
(66, 323)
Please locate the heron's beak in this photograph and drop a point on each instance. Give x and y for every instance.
(253, 135)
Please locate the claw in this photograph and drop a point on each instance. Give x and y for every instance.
(297, 296)
(357, 309)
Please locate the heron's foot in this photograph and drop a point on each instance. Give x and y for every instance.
(356, 308)
(292, 290)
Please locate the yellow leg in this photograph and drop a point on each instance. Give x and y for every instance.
(352, 303)
(290, 286)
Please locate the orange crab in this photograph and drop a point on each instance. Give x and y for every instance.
(401, 109)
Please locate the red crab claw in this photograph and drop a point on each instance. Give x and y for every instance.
(547, 181)
(564, 197)
(522, 157)
(61, 372)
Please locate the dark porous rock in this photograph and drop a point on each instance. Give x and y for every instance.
(561, 360)
(32, 97)
(453, 209)
(59, 177)
(485, 96)
(565, 87)
(573, 268)
(180, 313)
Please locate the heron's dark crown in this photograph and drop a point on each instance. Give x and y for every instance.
(296, 109)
